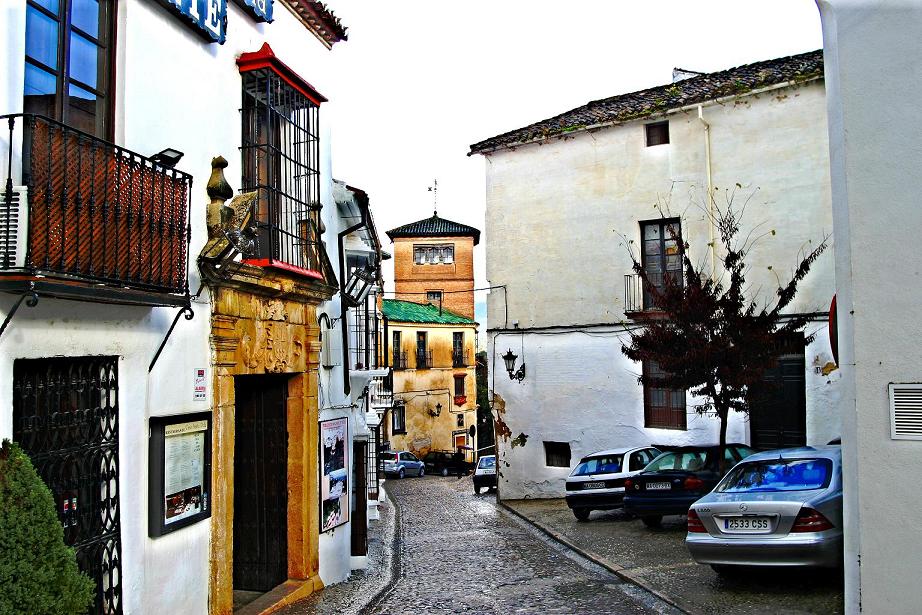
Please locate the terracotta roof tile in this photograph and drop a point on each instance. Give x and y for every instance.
(664, 98)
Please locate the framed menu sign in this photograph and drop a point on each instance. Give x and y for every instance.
(180, 471)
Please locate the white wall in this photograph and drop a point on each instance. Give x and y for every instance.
(561, 217)
(557, 212)
(173, 90)
(872, 53)
(582, 390)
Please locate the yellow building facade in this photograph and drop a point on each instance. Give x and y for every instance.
(434, 382)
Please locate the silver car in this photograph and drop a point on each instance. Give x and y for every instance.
(777, 508)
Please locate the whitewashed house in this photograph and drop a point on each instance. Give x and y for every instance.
(160, 355)
(568, 197)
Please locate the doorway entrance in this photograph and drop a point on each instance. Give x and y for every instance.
(779, 404)
(260, 482)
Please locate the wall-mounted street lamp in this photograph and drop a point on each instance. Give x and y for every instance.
(510, 359)
(359, 285)
(437, 411)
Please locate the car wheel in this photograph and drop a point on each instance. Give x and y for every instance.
(401, 473)
(477, 489)
(422, 472)
(581, 514)
(444, 472)
(653, 521)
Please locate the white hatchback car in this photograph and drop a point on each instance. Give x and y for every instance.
(597, 481)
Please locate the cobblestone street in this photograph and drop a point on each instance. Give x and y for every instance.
(459, 552)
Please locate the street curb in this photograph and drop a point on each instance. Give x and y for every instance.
(395, 563)
(609, 566)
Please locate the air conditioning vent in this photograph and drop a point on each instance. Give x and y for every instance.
(14, 224)
(906, 411)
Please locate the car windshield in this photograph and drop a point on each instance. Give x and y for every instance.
(487, 462)
(778, 475)
(690, 461)
(606, 464)
(388, 456)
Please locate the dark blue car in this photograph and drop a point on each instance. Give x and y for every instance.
(677, 479)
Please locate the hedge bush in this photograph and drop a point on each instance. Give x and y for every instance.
(38, 572)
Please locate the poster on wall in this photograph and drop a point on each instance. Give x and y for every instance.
(334, 473)
(180, 471)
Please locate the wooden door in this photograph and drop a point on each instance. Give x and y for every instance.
(360, 512)
(779, 414)
(260, 482)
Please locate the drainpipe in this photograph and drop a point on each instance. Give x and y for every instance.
(344, 322)
(710, 197)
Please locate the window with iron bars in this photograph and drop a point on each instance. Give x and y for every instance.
(281, 161)
(364, 328)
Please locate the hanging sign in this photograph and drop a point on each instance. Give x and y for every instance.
(208, 18)
(260, 10)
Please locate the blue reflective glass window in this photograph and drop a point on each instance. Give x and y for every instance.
(84, 59)
(39, 82)
(41, 37)
(84, 14)
(79, 93)
(51, 5)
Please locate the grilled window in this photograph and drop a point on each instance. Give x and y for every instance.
(662, 255)
(557, 454)
(68, 62)
(657, 133)
(281, 161)
(434, 255)
(662, 407)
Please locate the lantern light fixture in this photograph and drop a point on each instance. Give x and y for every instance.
(359, 285)
(510, 359)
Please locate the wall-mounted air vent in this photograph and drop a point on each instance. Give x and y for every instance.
(14, 224)
(906, 411)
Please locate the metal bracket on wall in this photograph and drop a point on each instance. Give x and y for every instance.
(184, 310)
(31, 299)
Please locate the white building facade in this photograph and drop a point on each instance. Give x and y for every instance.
(569, 199)
(125, 339)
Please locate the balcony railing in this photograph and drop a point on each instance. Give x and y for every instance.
(423, 359)
(85, 210)
(633, 294)
(380, 391)
(459, 358)
(400, 360)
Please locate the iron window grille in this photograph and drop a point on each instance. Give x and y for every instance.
(400, 360)
(364, 326)
(423, 359)
(281, 161)
(65, 417)
(398, 419)
(442, 254)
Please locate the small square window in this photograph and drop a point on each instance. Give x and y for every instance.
(657, 133)
(460, 420)
(434, 296)
(557, 454)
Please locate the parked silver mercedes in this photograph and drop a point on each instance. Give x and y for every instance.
(777, 508)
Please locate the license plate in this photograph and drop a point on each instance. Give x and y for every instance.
(658, 486)
(488, 471)
(747, 524)
(599, 484)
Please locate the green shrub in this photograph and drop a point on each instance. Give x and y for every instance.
(38, 572)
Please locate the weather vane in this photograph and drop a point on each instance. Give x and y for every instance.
(434, 189)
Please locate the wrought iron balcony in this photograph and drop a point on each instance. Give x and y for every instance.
(423, 359)
(460, 358)
(364, 328)
(87, 219)
(400, 360)
(633, 294)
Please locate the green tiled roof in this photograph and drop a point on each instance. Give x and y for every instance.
(407, 311)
